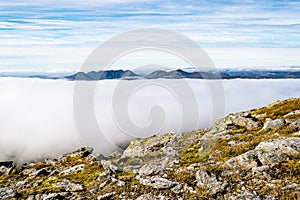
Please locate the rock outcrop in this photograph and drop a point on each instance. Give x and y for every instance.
(247, 155)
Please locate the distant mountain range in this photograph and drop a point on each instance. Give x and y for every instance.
(289, 73)
(179, 74)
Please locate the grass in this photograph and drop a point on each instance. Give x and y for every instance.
(279, 109)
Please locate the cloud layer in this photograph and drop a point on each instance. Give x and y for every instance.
(37, 116)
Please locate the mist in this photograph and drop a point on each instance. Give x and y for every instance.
(38, 120)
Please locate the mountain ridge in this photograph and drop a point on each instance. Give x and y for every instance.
(180, 74)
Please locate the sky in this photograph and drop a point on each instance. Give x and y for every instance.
(59, 35)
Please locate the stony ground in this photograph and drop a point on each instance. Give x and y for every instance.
(247, 155)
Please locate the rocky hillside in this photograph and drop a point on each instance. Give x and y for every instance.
(248, 155)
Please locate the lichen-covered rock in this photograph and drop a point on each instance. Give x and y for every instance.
(68, 186)
(56, 196)
(82, 152)
(209, 182)
(246, 195)
(292, 186)
(6, 167)
(157, 182)
(236, 121)
(267, 153)
(289, 146)
(295, 125)
(295, 112)
(109, 166)
(72, 169)
(152, 197)
(272, 124)
(151, 169)
(105, 196)
(7, 192)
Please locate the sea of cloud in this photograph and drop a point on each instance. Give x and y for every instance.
(37, 116)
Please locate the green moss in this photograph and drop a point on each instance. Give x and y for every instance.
(192, 155)
(126, 176)
(86, 176)
(183, 177)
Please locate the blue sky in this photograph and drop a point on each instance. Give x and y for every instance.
(55, 35)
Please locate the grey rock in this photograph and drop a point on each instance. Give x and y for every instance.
(266, 153)
(246, 195)
(292, 186)
(72, 169)
(82, 152)
(53, 196)
(26, 172)
(7, 164)
(109, 166)
(246, 160)
(43, 171)
(295, 125)
(157, 182)
(151, 169)
(152, 197)
(68, 186)
(144, 147)
(289, 146)
(177, 189)
(105, 196)
(234, 121)
(7, 192)
(209, 182)
(4, 170)
(269, 197)
(62, 159)
(95, 157)
(260, 169)
(295, 112)
(227, 172)
(6, 167)
(50, 162)
(272, 124)
(103, 175)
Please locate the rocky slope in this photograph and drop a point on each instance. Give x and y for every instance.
(248, 155)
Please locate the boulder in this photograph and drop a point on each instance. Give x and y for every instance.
(236, 121)
(151, 169)
(267, 153)
(272, 124)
